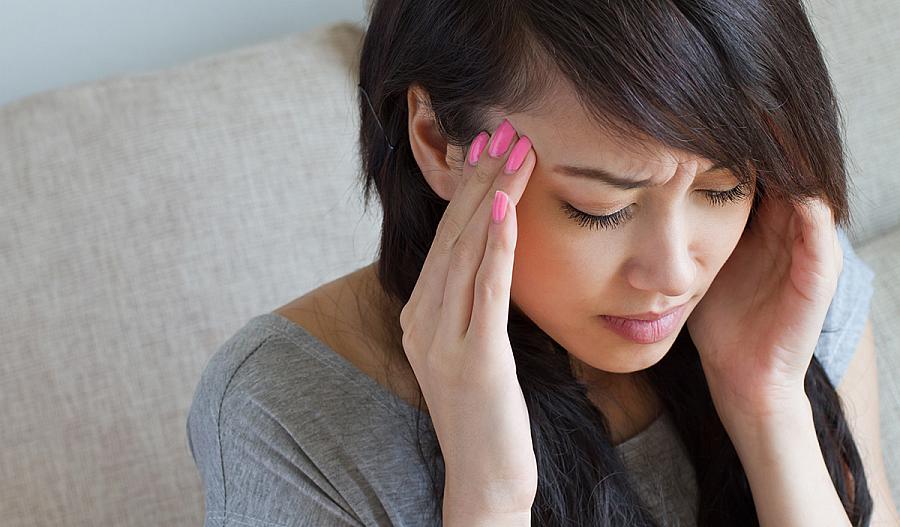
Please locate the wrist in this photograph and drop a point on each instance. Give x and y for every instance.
(785, 469)
(453, 517)
(486, 504)
(757, 406)
(769, 423)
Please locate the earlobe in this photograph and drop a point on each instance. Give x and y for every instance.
(429, 148)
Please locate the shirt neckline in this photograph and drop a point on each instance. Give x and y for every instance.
(298, 334)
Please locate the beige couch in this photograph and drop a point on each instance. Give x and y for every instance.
(145, 218)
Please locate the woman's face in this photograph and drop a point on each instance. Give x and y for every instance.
(666, 248)
(662, 249)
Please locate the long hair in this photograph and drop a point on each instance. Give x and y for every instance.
(740, 82)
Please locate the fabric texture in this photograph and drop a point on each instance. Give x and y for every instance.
(882, 255)
(286, 432)
(137, 215)
(854, 37)
(847, 314)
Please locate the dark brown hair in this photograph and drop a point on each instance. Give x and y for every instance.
(739, 82)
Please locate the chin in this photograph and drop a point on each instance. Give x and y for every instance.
(636, 357)
(624, 358)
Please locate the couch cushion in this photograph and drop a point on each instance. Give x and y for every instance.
(861, 45)
(883, 256)
(146, 219)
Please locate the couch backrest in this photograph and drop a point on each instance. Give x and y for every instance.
(144, 220)
(861, 44)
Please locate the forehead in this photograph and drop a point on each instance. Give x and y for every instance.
(562, 132)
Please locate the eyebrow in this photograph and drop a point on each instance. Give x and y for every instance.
(598, 174)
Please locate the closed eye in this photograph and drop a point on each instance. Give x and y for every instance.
(614, 220)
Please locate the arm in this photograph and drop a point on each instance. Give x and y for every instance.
(785, 468)
(858, 390)
(482, 509)
(784, 464)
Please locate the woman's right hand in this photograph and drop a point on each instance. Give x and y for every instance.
(455, 336)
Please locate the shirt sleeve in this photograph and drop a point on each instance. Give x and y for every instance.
(253, 472)
(847, 314)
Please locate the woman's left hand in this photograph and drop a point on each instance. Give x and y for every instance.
(758, 324)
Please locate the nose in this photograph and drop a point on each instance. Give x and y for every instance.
(662, 262)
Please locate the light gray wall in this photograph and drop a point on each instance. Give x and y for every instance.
(45, 44)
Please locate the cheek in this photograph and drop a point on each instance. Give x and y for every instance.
(733, 224)
(539, 253)
(722, 236)
(555, 270)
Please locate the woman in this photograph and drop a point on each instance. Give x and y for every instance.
(677, 158)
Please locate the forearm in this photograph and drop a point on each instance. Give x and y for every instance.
(486, 507)
(786, 470)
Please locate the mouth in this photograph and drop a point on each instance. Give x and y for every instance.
(646, 331)
(650, 316)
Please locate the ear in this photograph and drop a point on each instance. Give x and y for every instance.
(440, 164)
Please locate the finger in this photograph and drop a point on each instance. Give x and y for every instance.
(816, 224)
(470, 249)
(430, 283)
(816, 227)
(476, 182)
(838, 251)
(493, 280)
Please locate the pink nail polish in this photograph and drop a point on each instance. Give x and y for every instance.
(502, 137)
(498, 210)
(476, 147)
(517, 155)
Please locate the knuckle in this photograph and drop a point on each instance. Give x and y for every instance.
(450, 231)
(406, 340)
(410, 342)
(487, 288)
(462, 252)
(498, 244)
(404, 317)
(483, 173)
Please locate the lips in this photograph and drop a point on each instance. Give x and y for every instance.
(649, 315)
(646, 331)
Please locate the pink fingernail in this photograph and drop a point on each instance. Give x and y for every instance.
(498, 210)
(502, 137)
(477, 147)
(517, 155)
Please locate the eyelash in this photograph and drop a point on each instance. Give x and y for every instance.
(612, 221)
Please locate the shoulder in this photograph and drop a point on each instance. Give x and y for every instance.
(279, 427)
(243, 381)
(278, 373)
(847, 315)
(239, 436)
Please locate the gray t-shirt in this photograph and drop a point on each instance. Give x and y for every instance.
(286, 432)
